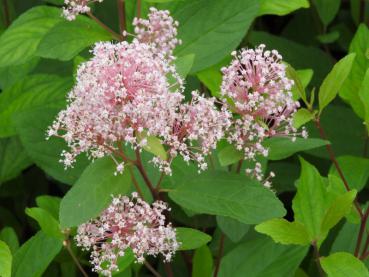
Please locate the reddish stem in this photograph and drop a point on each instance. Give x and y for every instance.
(98, 21)
(138, 8)
(361, 234)
(317, 259)
(337, 166)
(144, 175)
(220, 254)
(122, 15)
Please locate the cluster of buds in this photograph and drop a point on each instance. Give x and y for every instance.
(128, 223)
(258, 92)
(75, 7)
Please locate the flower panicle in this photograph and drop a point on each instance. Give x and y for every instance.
(128, 223)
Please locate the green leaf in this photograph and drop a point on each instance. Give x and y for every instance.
(281, 148)
(355, 170)
(19, 42)
(13, 159)
(281, 7)
(327, 9)
(50, 204)
(35, 255)
(329, 37)
(338, 209)
(191, 238)
(229, 155)
(202, 262)
(364, 97)
(5, 260)
(9, 236)
(92, 192)
(154, 146)
(284, 232)
(351, 87)
(210, 31)
(125, 261)
(301, 79)
(301, 117)
(225, 194)
(233, 229)
(343, 264)
(346, 238)
(49, 225)
(11, 74)
(31, 126)
(32, 92)
(184, 64)
(261, 257)
(334, 81)
(309, 203)
(211, 77)
(68, 38)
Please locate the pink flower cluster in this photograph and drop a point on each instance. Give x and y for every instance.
(160, 30)
(259, 93)
(127, 223)
(75, 7)
(125, 91)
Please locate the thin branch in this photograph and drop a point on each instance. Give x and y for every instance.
(157, 187)
(337, 166)
(98, 21)
(122, 15)
(361, 234)
(239, 166)
(135, 183)
(153, 271)
(6, 13)
(143, 173)
(220, 254)
(67, 246)
(317, 259)
(138, 8)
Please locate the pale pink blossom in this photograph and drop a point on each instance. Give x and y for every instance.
(160, 30)
(127, 223)
(258, 91)
(75, 7)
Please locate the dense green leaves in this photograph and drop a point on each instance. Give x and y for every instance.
(5, 260)
(343, 264)
(191, 238)
(9, 236)
(260, 257)
(309, 203)
(50, 204)
(32, 92)
(49, 225)
(202, 262)
(338, 209)
(284, 232)
(35, 255)
(92, 192)
(229, 155)
(66, 39)
(278, 7)
(333, 82)
(351, 87)
(13, 158)
(31, 126)
(327, 9)
(19, 43)
(364, 97)
(233, 229)
(221, 193)
(355, 170)
(210, 31)
(280, 147)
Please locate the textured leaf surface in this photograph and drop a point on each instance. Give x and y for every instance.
(343, 264)
(237, 197)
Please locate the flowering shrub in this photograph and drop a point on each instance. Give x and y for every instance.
(172, 138)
